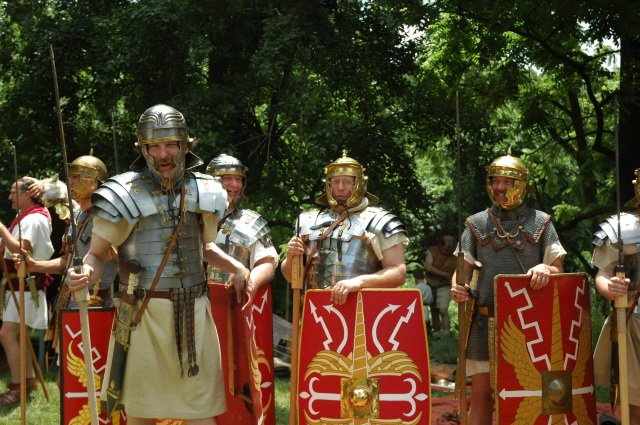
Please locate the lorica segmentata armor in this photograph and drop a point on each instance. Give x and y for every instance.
(347, 251)
(140, 200)
(238, 232)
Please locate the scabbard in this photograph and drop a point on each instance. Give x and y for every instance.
(118, 354)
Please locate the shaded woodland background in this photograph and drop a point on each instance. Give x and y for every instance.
(286, 85)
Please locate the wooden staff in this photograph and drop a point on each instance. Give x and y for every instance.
(81, 296)
(620, 304)
(297, 282)
(21, 271)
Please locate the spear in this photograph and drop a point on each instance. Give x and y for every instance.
(82, 295)
(620, 304)
(21, 272)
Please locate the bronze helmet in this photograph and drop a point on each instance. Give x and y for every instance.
(92, 172)
(346, 166)
(513, 167)
(635, 201)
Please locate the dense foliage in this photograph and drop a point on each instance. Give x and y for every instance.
(286, 85)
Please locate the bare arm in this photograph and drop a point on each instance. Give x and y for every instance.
(609, 285)
(93, 263)
(460, 293)
(430, 268)
(261, 274)
(295, 247)
(392, 274)
(212, 254)
(540, 273)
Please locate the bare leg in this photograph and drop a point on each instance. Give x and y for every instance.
(481, 412)
(445, 319)
(10, 339)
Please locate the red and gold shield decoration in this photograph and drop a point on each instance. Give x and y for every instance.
(74, 407)
(262, 315)
(240, 358)
(544, 367)
(364, 362)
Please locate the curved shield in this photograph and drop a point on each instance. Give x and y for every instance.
(73, 385)
(543, 362)
(364, 362)
(239, 355)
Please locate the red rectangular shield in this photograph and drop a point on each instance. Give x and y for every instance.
(544, 364)
(364, 360)
(73, 386)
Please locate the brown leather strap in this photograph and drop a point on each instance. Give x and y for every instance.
(324, 236)
(167, 252)
(484, 311)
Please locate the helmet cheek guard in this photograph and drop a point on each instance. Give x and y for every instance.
(91, 172)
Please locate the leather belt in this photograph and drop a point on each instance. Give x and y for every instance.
(484, 311)
(144, 293)
(103, 293)
(199, 290)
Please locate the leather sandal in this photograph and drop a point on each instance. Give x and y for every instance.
(12, 395)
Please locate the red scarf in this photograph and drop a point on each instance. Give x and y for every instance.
(36, 209)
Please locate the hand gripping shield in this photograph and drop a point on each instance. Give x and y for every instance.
(542, 348)
(364, 362)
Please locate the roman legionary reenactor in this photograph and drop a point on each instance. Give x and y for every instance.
(355, 250)
(507, 238)
(160, 215)
(616, 230)
(244, 235)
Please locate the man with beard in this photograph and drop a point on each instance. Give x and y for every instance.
(160, 215)
(508, 238)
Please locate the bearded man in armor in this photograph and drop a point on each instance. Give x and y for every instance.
(607, 240)
(507, 238)
(243, 233)
(350, 243)
(173, 360)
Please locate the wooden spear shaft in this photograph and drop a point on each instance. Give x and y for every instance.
(297, 272)
(620, 304)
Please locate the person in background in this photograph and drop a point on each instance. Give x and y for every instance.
(439, 264)
(427, 296)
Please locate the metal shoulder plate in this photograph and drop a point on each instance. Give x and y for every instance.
(245, 227)
(211, 196)
(383, 221)
(133, 195)
(629, 228)
(372, 219)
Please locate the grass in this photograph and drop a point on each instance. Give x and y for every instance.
(39, 410)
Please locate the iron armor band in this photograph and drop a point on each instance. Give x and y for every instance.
(141, 201)
(348, 250)
(239, 232)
